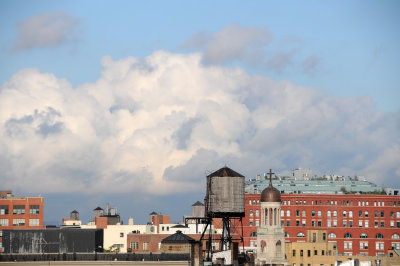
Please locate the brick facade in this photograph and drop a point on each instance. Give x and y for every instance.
(20, 213)
(356, 224)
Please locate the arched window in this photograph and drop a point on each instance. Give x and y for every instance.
(257, 213)
(332, 235)
(319, 213)
(278, 243)
(251, 212)
(287, 234)
(344, 214)
(334, 213)
(379, 235)
(329, 214)
(363, 235)
(288, 213)
(301, 234)
(253, 234)
(351, 214)
(395, 236)
(347, 235)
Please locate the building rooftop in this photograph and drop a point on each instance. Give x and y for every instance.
(225, 171)
(313, 186)
(177, 238)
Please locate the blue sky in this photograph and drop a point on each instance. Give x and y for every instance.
(83, 84)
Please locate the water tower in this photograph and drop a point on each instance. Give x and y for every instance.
(225, 200)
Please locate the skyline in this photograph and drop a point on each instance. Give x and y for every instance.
(132, 103)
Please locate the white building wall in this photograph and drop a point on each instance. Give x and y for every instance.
(116, 235)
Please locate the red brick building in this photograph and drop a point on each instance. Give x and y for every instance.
(356, 224)
(19, 213)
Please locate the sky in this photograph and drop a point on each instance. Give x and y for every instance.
(134, 103)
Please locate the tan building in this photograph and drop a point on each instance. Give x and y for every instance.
(177, 243)
(316, 250)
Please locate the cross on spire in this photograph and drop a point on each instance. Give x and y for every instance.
(270, 177)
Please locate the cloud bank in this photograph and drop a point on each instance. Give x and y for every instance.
(156, 125)
(45, 30)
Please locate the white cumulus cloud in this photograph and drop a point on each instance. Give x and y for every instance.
(155, 125)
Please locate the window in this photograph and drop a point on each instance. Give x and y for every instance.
(301, 234)
(313, 223)
(350, 223)
(382, 224)
(282, 213)
(34, 209)
(288, 223)
(382, 214)
(134, 245)
(366, 213)
(379, 246)
(344, 214)
(363, 235)
(347, 235)
(396, 245)
(398, 213)
(334, 213)
(257, 213)
(251, 212)
(3, 209)
(313, 213)
(348, 245)
(323, 236)
(3, 222)
(249, 202)
(332, 235)
(297, 212)
(288, 213)
(18, 222)
(145, 245)
(360, 223)
(253, 234)
(366, 224)
(392, 214)
(360, 213)
(121, 234)
(334, 223)
(376, 214)
(328, 223)
(363, 245)
(308, 253)
(301, 253)
(251, 222)
(319, 223)
(297, 222)
(19, 209)
(344, 223)
(379, 235)
(319, 213)
(287, 234)
(257, 222)
(1, 233)
(315, 252)
(395, 236)
(314, 237)
(33, 222)
(351, 214)
(294, 253)
(303, 222)
(329, 214)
